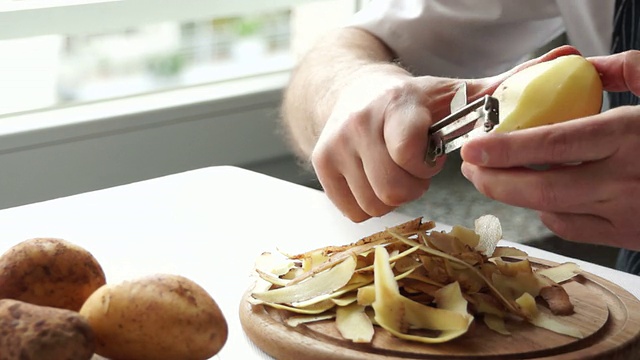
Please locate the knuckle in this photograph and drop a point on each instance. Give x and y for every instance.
(320, 159)
(558, 145)
(400, 152)
(398, 193)
(546, 195)
(374, 207)
(378, 211)
(485, 188)
(358, 123)
(396, 197)
(358, 216)
(555, 224)
(401, 92)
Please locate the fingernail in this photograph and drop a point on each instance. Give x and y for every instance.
(466, 170)
(475, 156)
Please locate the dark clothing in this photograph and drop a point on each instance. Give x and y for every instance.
(629, 261)
(626, 36)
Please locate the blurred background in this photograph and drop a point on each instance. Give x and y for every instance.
(101, 93)
(102, 59)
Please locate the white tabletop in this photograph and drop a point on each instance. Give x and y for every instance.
(209, 225)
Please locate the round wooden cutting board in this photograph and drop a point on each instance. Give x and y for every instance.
(607, 315)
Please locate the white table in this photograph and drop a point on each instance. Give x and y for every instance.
(204, 223)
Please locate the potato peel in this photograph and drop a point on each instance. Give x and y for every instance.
(294, 321)
(490, 232)
(560, 273)
(541, 319)
(496, 323)
(417, 283)
(322, 283)
(354, 324)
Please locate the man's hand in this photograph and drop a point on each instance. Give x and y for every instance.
(591, 191)
(362, 121)
(369, 157)
(370, 154)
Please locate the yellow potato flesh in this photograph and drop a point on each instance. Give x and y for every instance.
(565, 88)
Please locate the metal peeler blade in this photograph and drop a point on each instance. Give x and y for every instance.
(465, 122)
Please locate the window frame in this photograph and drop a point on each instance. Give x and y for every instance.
(27, 18)
(68, 149)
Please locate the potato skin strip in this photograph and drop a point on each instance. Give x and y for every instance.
(416, 283)
(311, 310)
(269, 263)
(431, 251)
(354, 324)
(389, 312)
(496, 323)
(560, 273)
(322, 283)
(557, 299)
(540, 319)
(396, 314)
(294, 321)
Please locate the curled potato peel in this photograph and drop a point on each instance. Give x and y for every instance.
(417, 284)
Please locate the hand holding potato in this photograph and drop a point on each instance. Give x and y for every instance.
(369, 154)
(596, 199)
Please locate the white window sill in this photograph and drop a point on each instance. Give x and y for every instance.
(65, 123)
(60, 152)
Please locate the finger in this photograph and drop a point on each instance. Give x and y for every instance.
(363, 192)
(391, 184)
(554, 53)
(587, 139)
(334, 183)
(405, 135)
(480, 87)
(338, 191)
(619, 72)
(562, 189)
(584, 228)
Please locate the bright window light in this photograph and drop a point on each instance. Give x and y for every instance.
(63, 62)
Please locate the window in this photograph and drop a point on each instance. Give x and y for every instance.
(95, 94)
(62, 53)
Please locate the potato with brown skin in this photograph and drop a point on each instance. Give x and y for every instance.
(33, 332)
(49, 272)
(156, 317)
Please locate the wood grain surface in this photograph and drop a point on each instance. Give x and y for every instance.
(608, 316)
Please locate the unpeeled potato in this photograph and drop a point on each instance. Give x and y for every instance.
(156, 317)
(49, 272)
(565, 88)
(36, 332)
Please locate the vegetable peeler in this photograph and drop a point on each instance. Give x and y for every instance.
(465, 122)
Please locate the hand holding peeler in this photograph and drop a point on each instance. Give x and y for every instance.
(466, 121)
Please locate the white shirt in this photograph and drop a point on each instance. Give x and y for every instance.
(473, 38)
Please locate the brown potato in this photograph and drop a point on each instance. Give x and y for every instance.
(49, 272)
(156, 317)
(35, 332)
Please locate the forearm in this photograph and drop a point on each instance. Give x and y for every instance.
(337, 60)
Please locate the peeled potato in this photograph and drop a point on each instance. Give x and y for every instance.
(558, 90)
(162, 316)
(49, 272)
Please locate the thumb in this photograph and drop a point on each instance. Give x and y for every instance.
(619, 72)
